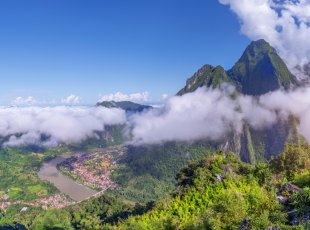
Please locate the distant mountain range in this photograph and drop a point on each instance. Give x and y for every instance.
(259, 70)
(128, 106)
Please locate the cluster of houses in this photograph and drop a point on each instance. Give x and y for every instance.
(55, 201)
(4, 201)
(93, 170)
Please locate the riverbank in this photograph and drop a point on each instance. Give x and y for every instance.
(93, 169)
(66, 185)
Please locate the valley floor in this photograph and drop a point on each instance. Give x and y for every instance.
(217, 191)
(91, 169)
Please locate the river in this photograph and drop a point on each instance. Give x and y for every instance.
(66, 185)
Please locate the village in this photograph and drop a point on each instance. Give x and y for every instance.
(93, 169)
(57, 200)
(90, 169)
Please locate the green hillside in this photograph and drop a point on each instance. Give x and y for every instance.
(19, 180)
(146, 173)
(216, 192)
(221, 192)
(206, 76)
(261, 70)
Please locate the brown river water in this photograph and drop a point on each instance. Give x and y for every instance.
(66, 185)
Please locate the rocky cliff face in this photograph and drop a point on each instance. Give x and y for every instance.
(258, 145)
(258, 71)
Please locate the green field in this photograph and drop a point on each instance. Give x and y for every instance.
(18, 172)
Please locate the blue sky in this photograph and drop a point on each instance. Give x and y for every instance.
(53, 48)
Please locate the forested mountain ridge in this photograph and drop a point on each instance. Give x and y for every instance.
(207, 75)
(128, 106)
(259, 70)
(222, 192)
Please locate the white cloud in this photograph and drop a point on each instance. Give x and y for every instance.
(164, 96)
(62, 124)
(205, 113)
(210, 114)
(296, 103)
(119, 96)
(284, 24)
(71, 100)
(21, 101)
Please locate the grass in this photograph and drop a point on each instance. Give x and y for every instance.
(19, 179)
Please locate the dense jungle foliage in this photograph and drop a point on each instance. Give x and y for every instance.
(216, 192)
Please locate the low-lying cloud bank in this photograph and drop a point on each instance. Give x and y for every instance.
(211, 114)
(26, 125)
(204, 114)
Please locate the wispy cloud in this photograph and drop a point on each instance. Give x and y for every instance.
(71, 100)
(119, 96)
(24, 101)
(31, 101)
(206, 113)
(164, 96)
